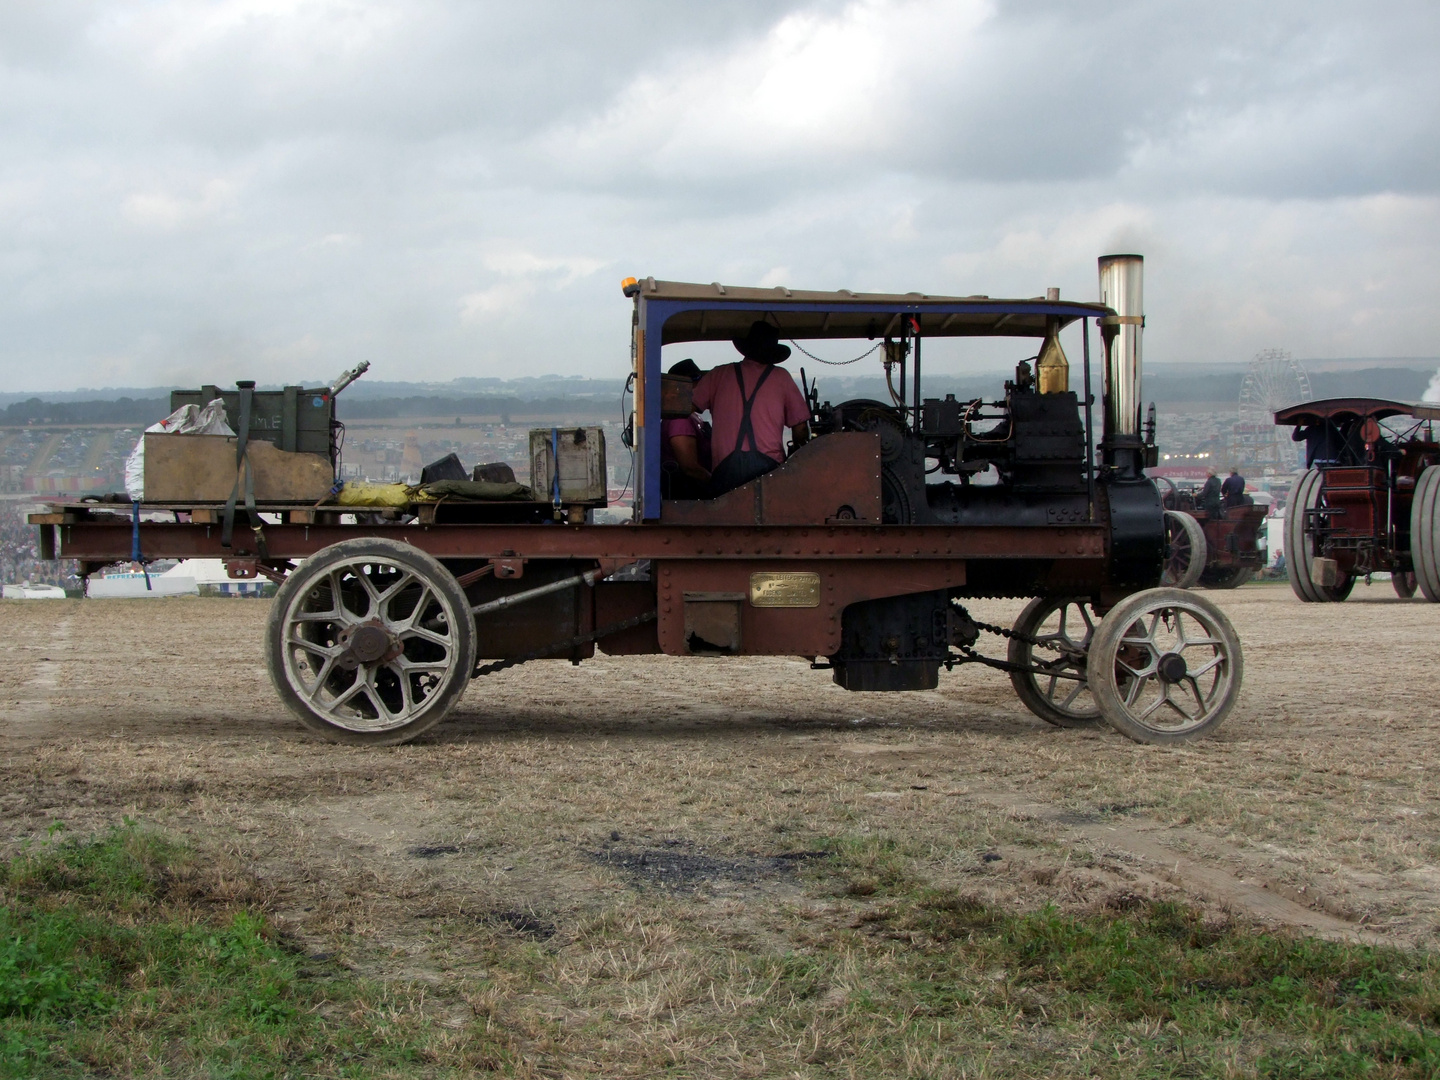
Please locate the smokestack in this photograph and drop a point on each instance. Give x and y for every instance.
(1122, 289)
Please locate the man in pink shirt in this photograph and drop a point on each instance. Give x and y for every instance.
(751, 404)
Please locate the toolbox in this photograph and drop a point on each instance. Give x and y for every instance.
(581, 455)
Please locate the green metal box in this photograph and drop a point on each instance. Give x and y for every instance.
(294, 419)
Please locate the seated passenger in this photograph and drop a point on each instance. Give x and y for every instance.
(685, 449)
(1232, 490)
(751, 405)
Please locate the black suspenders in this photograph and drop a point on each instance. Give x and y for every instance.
(747, 428)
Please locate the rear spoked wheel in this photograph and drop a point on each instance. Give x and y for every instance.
(1425, 533)
(1300, 544)
(1061, 629)
(1165, 666)
(370, 641)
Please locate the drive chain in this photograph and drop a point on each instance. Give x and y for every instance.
(565, 646)
(1014, 635)
(974, 657)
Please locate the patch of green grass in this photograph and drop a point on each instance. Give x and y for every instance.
(871, 864)
(107, 965)
(1159, 991)
(124, 955)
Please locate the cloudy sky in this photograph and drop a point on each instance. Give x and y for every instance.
(277, 189)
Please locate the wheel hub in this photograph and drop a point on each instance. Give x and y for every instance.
(1171, 668)
(367, 643)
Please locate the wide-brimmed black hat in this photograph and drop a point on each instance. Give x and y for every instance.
(687, 368)
(762, 342)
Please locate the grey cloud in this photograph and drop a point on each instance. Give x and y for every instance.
(458, 191)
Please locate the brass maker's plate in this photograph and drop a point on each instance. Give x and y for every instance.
(785, 590)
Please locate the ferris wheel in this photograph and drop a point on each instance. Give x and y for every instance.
(1273, 380)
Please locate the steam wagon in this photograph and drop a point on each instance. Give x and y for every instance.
(1367, 500)
(860, 552)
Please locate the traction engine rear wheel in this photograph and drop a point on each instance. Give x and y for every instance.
(1186, 550)
(1425, 533)
(1403, 582)
(1067, 624)
(370, 642)
(1165, 666)
(1299, 552)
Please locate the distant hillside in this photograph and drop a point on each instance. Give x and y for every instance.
(579, 398)
(420, 406)
(1400, 384)
(125, 410)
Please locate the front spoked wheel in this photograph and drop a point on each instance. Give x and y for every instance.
(1060, 631)
(1165, 666)
(370, 641)
(1186, 550)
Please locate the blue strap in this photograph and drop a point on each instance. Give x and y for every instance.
(555, 459)
(135, 541)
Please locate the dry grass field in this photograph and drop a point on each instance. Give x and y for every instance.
(608, 867)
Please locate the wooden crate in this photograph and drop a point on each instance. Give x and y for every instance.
(582, 465)
(201, 468)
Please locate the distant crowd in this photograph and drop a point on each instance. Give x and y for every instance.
(18, 553)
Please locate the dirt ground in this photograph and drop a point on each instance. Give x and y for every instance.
(554, 793)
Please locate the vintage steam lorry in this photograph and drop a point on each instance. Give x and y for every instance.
(845, 554)
(1367, 500)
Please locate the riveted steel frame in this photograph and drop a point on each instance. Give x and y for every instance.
(107, 539)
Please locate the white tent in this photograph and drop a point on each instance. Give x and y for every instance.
(211, 573)
(131, 584)
(32, 592)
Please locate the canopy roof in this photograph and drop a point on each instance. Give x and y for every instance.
(1354, 408)
(717, 312)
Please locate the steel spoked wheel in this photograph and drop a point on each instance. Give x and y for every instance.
(1165, 666)
(1298, 554)
(1425, 533)
(1058, 693)
(1299, 549)
(370, 641)
(1186, 550)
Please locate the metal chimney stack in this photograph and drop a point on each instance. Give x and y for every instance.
(1122, 286)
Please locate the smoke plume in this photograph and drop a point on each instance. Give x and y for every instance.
(1432, 392)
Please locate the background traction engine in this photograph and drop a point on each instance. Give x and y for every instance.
(1369, 499)
(1221, 551)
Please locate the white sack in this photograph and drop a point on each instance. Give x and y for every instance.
(186, 420)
